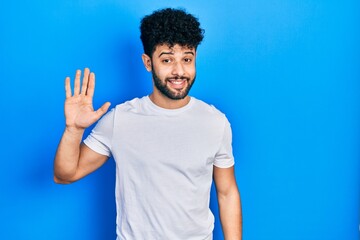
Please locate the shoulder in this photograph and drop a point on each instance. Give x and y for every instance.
(208, 114)
(119, 109)
(134, 105)
(207, 109)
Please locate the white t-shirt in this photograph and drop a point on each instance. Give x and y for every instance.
(164, 166)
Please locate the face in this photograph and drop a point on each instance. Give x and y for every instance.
(173, 70)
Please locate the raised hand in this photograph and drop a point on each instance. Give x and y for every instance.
(79, 111)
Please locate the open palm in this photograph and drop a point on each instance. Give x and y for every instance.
(79, 111)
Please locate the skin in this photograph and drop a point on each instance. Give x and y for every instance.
(74, 160)
(175, 71)
(169, 64)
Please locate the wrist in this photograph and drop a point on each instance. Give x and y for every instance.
(74, 130)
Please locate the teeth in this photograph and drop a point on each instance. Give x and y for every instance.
(176, 82)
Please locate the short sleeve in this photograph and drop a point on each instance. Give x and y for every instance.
(100, 137)
(224, 157)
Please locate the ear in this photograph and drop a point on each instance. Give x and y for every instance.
(147, 62)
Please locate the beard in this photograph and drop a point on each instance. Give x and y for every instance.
(172, 94)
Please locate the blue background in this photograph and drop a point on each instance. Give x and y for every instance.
(286, 73)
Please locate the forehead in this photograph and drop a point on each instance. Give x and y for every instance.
(173, 49)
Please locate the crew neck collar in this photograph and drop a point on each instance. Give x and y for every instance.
(167, 111)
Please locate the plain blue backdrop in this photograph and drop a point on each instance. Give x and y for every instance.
(285, 72)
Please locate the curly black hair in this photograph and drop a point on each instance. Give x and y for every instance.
(170, 26)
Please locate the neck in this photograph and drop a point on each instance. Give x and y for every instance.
(167, 103)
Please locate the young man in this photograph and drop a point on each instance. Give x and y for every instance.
(168, 146)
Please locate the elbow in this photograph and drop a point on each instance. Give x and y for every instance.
(58, 180)
(230, 195)
(64, 177)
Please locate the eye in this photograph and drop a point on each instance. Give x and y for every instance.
(187, 60)
(166, 60)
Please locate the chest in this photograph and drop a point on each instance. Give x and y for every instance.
(184, 144)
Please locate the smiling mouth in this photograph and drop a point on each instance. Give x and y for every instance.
(177, 83)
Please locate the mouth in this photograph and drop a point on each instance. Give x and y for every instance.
(177, 83)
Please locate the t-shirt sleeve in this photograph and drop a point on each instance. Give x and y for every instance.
(100, 137)
(224, 157)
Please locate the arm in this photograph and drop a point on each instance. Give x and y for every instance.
(74, 160)
(229, 203)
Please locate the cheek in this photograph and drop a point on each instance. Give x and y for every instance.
(160, 73)
(163, 72)
(191, 70)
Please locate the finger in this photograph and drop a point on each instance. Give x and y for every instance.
(85, 81)
(103, 109)
(91, 85)
(77, 83)
(67, 87)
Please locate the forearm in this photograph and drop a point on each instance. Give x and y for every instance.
(230, 215)
(67, 155)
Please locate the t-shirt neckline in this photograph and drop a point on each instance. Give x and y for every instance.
(166, 111)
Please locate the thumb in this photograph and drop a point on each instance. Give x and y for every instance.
(103, 109)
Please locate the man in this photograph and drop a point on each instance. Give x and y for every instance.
(168, 146)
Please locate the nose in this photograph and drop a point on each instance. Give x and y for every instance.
(178, 69)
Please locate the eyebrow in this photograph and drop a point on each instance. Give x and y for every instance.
(171, 53)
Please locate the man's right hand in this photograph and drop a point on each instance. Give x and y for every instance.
(79, 111)
(74, 160)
